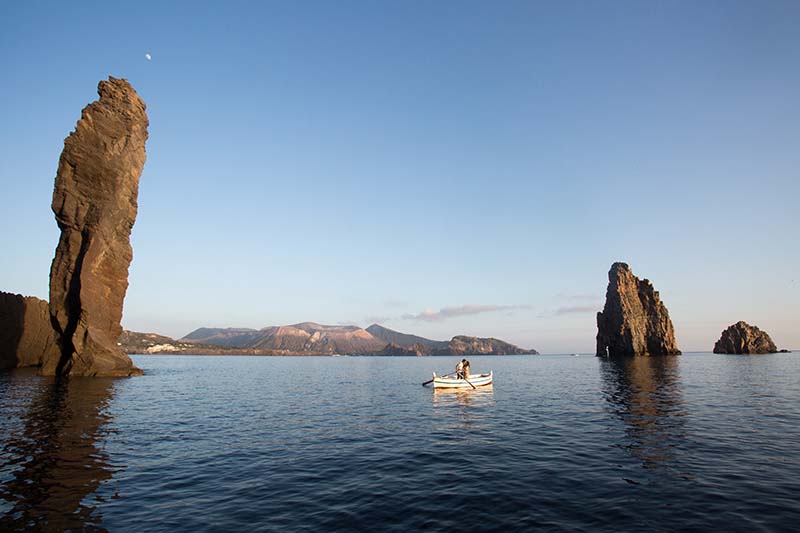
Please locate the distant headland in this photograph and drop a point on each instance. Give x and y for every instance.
(310, 338)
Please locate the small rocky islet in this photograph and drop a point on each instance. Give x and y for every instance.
(742, 338)
(79, 333)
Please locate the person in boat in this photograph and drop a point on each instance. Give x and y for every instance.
(460, 369)
(465, 369)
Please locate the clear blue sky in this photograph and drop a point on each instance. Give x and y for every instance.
(382, 161)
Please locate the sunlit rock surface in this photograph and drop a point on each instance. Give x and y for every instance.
(634, 321)
(742, 338)
(95, 203)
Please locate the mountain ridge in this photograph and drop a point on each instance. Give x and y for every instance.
(312, 338)
(404, 340)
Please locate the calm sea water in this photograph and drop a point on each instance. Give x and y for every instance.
(693, 442)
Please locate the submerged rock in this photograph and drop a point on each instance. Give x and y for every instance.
(742, 338)
(27, 337)
(95, 203)
(634, 321)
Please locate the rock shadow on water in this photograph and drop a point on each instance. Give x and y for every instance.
(55, 457)
(645, 393)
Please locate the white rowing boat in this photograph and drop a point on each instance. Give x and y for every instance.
(451, 382)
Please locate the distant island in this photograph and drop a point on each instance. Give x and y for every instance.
(310, 338)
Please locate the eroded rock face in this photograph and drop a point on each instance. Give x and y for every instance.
(742, 338)
(634, 321)
(26, 336)
(95, 203)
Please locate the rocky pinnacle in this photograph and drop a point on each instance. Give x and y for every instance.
(94, 201)
(634, 321)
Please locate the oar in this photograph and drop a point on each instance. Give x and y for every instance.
(431, 380)
(470, 384)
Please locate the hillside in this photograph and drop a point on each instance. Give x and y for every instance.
(404, 340)
(303, 338)
(464, 345)
(309, 337)
(135, 342)
(230, 337)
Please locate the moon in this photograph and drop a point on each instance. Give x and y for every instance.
(148, 57)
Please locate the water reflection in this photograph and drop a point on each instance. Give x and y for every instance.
(464, 397)
(55, 457)
(463, 408)
(645, 393)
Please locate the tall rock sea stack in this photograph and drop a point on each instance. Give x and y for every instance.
(95, 206)
(634, 321)
(742, 338)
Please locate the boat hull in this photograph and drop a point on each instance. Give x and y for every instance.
(477, 380)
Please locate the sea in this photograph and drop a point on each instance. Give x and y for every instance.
(698, 442)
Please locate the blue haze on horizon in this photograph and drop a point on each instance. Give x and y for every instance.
(351, 162)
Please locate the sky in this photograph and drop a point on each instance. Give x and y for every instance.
(442, 168)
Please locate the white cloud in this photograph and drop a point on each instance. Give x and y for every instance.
(579, 296)
(464, 310)
(576, 309)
